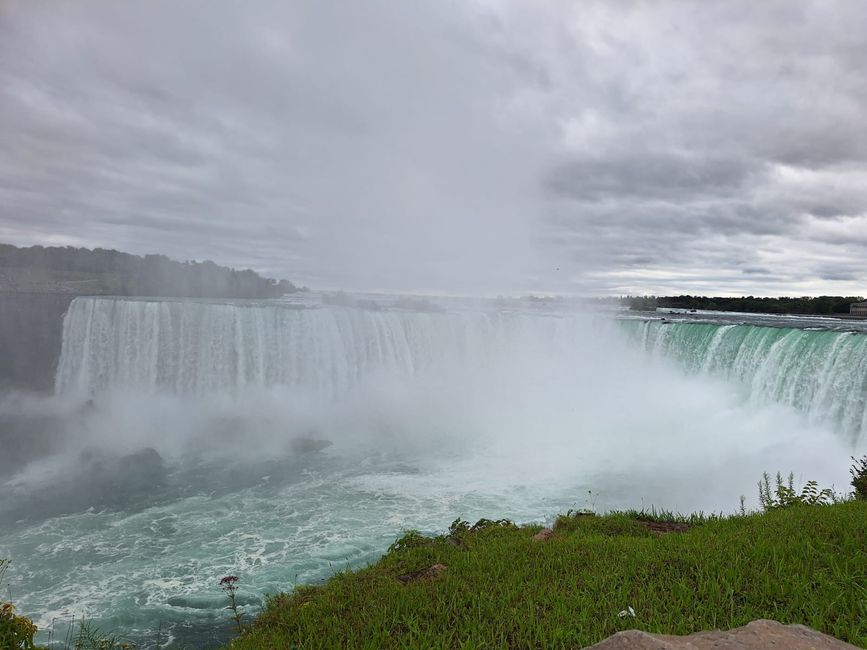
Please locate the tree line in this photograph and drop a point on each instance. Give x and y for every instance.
(751, 304)
(109, 272)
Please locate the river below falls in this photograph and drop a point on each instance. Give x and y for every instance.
(148, 564)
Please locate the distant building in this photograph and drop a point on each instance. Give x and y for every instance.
(858, 309)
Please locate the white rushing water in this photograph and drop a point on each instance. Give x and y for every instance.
(435, 412)
(821, 373)
(196, 348)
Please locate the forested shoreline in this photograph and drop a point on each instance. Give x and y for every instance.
(82, 271)
(750, 304)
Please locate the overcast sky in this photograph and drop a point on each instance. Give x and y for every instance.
(462, 146)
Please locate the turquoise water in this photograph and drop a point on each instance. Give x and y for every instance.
(151, 568)
(182, 468)
(821, 373)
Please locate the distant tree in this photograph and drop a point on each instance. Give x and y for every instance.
(783, 305)
(104, 271)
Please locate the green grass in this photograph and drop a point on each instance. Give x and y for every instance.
(805, 564)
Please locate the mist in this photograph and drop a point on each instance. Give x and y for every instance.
(560, 399)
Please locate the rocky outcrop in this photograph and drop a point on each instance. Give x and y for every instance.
(98, 479)
(758, 635)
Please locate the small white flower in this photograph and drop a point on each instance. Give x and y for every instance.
(627, 612)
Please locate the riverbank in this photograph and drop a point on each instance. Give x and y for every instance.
(496, 585)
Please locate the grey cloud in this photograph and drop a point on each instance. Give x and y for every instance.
(838, 274)
(454, 146)
(651, 175)
(696, 173)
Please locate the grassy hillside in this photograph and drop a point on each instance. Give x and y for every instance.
(803, 564)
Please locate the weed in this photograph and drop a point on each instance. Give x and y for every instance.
(229, 584)
(670, 517)
(859, 477)
(90, 637)
(458, 528)
(489, 524)
(461, 532)
(784, 495)
(410, 539)
(16, 631)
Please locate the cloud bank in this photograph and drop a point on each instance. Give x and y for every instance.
(475, 147)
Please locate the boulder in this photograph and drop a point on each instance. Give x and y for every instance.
(147, 458)
(758, 635)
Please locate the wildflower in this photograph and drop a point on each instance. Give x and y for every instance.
(627, 612)
(228, 585)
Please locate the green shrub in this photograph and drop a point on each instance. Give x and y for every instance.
(410, 539)
(459, 528)
(16, 632)
(784, 495)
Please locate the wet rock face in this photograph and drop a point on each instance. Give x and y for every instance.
(146, 459)
(145, 463)
(98, 480)
(31, 327)
(757, 635)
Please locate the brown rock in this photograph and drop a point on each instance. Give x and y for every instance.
(432, 571)
(542, 535)
(757, 635)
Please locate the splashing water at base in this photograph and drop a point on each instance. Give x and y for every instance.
(458, 412)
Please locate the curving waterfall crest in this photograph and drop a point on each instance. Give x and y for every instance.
(187, 347)
(822, 373)
(197, 348)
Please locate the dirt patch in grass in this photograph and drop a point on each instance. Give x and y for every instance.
(664, 527)
(431, 572)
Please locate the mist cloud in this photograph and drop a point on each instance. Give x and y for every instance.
(496, 146)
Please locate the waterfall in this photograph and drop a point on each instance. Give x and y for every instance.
(821, 373)
(199, 347)
(192, 347)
